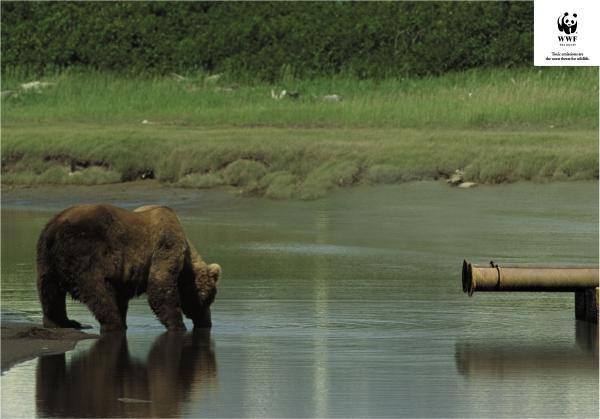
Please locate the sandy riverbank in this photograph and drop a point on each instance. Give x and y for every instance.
(22, 341)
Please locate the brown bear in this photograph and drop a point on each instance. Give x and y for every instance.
(103, 256)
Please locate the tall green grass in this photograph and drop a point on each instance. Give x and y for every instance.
(561, 97)
(496, 125)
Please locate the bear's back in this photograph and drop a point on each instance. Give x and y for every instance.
(107, 226)
(91, 221)
(107, 237)
(87, 216)
(160, 219)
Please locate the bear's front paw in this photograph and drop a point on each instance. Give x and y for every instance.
(64, 324)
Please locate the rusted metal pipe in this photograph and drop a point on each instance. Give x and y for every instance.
(512, 278)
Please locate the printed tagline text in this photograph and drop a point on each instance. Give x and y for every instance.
(567, 56)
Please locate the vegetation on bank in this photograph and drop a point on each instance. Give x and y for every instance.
(262, 40)
(203, 132)
(290, 163)
(557, 97)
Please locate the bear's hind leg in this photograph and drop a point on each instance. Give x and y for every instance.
(123, 304)
(100, 297)
(52, 297)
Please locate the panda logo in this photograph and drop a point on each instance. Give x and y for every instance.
(567, 24)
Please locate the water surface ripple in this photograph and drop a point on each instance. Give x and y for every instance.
(349, 306)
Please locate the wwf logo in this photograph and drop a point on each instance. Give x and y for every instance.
(567, 24)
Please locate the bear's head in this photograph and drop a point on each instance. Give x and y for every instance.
(198, 292)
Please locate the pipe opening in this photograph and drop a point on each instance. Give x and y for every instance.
(467, 278)
(464, 276)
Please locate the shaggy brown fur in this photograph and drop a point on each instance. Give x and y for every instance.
(103, 256)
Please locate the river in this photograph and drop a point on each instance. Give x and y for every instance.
(348, 306)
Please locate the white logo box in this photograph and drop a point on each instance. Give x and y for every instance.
(566, 33)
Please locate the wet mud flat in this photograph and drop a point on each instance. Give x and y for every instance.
(22, 341)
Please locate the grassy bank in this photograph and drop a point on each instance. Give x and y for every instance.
(499, 126)
(282, 163)
(474, 99)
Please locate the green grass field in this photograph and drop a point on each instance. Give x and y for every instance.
(497, 125)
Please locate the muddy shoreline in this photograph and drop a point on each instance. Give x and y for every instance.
(22, 341)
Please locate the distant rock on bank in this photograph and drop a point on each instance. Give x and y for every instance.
(466, 185)
(458, 179)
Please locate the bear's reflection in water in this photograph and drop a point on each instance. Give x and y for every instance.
(107, 382)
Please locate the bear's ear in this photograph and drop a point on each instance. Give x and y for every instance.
(566, 14)
(574, 14)
(214, 272)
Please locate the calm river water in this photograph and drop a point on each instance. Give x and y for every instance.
(348, 306)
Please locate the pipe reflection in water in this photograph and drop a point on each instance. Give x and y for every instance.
(93, 382)
(586, 335)
(478, 359)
